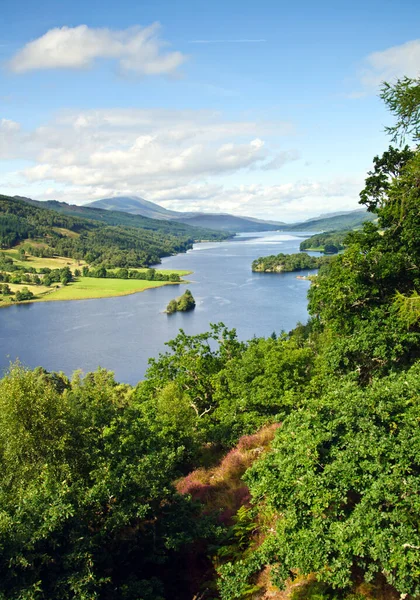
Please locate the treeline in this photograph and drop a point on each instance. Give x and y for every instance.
(141, 244)
(283, 263)
(328, 242)
(235, 469)
(146, 275)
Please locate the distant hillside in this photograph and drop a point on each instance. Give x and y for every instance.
(135, 206)
(100, 237)
(337, 222)
(230, 223)
(218, 222)
(125, 219)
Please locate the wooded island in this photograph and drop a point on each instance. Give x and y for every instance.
(286, 263)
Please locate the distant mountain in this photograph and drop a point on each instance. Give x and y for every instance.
(219, 222)
(232, 223)
(337, 222)
(135, 206)
(226, 222)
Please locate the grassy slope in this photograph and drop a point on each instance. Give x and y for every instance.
(58, 262)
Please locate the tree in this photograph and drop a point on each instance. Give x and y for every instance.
(122, 274)
(186, 301)
(5, 290)
(387, 168)
(172, 307)
(344, 478)
(88, 519)
(24, 294)
(403, 101)
(22, 254)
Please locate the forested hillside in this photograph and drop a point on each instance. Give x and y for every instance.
(330, 242)
(125, 219)
(237, 470)
(349, 220)
(103, 238)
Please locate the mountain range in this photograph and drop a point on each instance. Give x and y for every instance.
(226, 222)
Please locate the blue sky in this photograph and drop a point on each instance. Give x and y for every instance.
(264, 108)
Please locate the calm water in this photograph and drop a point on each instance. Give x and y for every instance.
(122, 333)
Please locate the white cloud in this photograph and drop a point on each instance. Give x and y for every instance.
(146, 148)
(182, 159)
(291, 201)
(390, 64)
(233, 41)
(137, 49)
(8, 126)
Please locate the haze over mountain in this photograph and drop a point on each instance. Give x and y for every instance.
(227, 222)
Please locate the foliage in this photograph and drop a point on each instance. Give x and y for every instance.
(87, 519)
(403, 101)
(408, 308)
(344, 477)
(23, 294)
(387, 168)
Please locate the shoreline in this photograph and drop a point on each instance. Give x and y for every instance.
(69, 293)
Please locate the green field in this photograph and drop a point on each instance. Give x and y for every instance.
(88, 287)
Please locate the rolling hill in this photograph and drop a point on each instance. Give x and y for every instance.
(100, 237)
(335, 222)
(126, 219)
(219, 222)
(226, 222)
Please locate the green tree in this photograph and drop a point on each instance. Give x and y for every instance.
(186, 301)
(387, 168)
(403, 101)
(343, 477)
(24, 294)
(88, 520)
(172, 307)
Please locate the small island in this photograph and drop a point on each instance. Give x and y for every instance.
(181, 304)
(286, 263)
